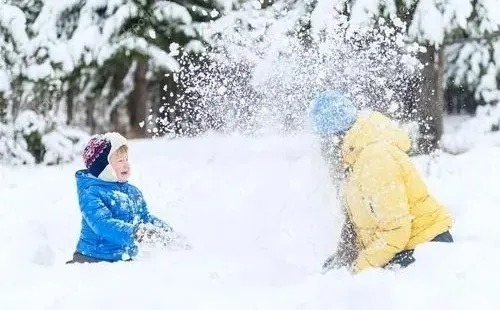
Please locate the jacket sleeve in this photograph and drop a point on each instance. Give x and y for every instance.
(385, 217)
(100, 220)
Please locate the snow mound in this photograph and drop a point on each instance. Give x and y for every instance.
(261, 216)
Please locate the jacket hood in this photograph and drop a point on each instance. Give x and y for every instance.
(372, 128)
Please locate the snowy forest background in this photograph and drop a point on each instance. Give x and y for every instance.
(70, 68)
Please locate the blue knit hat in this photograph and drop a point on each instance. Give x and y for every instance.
(332, 113)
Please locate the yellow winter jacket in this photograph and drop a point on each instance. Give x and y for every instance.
(386, 199)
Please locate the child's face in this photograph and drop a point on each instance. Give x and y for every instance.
(119, 163)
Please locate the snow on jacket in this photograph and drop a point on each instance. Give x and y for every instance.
(110, 212)
(386, 199)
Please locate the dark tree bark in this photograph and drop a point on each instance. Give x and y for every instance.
(138, 105)
(430, 104)
(69, 104)
(90, 120)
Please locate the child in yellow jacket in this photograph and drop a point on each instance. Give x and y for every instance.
(388, 208)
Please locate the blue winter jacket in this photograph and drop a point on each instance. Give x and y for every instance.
(111, 212)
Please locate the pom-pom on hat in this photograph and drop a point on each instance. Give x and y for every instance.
(95, 154)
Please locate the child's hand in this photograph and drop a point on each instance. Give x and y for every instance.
(153, 235)
(148, 233)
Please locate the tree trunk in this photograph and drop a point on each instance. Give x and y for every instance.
(69, 104)
(430, 105)
(3, 107)
(138, 105)
(90, 120)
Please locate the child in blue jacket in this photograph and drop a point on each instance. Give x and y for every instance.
(115, 218)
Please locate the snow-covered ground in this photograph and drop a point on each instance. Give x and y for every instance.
(261, 216)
